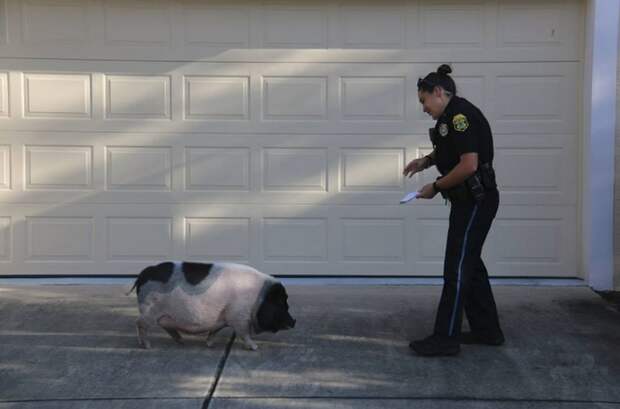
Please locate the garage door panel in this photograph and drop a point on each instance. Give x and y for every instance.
(539, 24)
(553, 109)
(281, 98)
(59, 96)
(452, 25)
(337, 98)
(371, 169)
(224, 25)
(306, 169)
(388, 26)
(137, 97)
(294, 239)
(430, 250)
(524, 241)
(141, 238)
(217, 168)
(40, 240)
(213, 97)
(137, 24)
(3, 22)
(58, 167)
(534, 241)
(6, 237)
(521, 88)
(536, 175)
(6, 182)
(300, 169)
(373, 240)
(53, 22)
(474, 88)
(190, 30)
(354, 240)
(138, 168)
(4, 95)
(230, 55)
(373, 98)
(367, 240)
(429, 229)
(217, 238)
(537, 169)
(294, 26)
(301, 239)
(59, 238)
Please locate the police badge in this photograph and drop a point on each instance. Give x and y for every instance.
(443, 129)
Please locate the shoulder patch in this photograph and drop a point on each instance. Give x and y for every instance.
(196, 272)
(460, 122)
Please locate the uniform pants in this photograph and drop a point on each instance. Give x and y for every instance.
(466, 281)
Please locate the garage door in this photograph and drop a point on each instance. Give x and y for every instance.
(275, 133)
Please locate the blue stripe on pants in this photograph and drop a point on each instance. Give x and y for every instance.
(460, 270)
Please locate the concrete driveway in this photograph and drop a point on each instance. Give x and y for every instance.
(74, 346)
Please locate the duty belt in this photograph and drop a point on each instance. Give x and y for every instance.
(474, 186)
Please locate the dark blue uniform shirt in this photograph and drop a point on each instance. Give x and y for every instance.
(462, 128)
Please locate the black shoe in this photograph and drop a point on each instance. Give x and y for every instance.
(436, 345)
(470, 338)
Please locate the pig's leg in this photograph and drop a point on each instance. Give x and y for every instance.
(244, 332)
(142, 329)
(174, 334)
(209, 335)
(248, 342)
(170, 326)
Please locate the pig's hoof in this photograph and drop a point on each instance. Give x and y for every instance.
(210, 344)
(248, 342)
(145, 345)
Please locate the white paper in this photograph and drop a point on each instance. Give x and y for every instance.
(409, 197)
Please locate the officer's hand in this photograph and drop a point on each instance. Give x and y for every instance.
(415, 166)
(427, 192)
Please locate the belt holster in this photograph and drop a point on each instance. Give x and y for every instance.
(474, 186)
(487, 176)
(456, 194)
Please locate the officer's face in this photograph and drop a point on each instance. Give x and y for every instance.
(432, 102)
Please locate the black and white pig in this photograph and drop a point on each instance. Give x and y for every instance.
(201, 299)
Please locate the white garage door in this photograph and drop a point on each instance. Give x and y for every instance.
(275, 133)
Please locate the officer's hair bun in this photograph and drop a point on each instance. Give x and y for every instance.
(444, 69)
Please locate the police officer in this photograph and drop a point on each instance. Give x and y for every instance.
(463, 155)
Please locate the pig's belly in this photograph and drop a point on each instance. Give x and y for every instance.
(190, 313)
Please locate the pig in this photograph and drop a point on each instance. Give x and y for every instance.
(202, 298)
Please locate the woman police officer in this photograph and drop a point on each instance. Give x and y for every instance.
(463, 154)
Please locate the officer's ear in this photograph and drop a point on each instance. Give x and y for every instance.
(437, 91)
